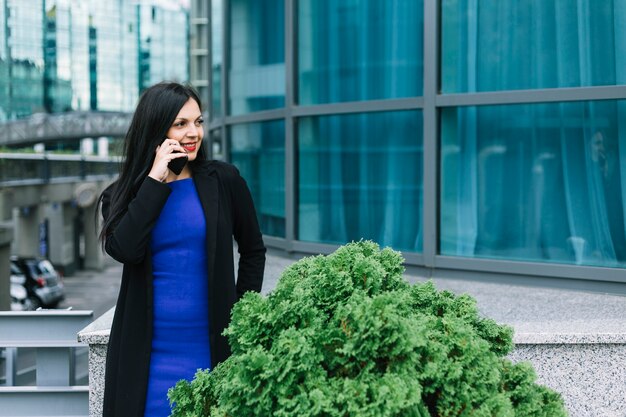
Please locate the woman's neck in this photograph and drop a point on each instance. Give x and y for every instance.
(185, 173)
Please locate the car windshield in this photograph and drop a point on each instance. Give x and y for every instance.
(33, 268)
(46, 267)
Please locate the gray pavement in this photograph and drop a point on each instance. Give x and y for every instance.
(523, 306)
(93, 290)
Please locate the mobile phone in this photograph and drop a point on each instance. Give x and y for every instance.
(176, 165)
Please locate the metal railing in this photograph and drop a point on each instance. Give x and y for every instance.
(52, 336)
(45, 168)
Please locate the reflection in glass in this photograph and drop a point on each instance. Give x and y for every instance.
(540, 182)
(57, 85)
(258, 150)
(163, 51)
(361, 176)
(113, 41)
(216, 144)
(257, 55)
(22, 66)
(79, 29)
(217, 57)
(509, 44)
(359, 50)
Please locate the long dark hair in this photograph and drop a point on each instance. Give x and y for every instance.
(156, 111)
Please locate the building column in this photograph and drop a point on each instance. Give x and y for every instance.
(86, 146)
(61, 220)
(30, 237)
(94, 258)
(6, 205)
(103, 146)
(6, 237)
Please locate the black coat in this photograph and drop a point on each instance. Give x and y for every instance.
(229, 211)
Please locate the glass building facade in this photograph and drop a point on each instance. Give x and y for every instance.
(57, 69)
(22, 58)
(62, 55)
(164, 53)
(477, 137)
(115, 39)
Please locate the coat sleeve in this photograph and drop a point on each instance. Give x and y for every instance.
(128, 241)
(248, 236)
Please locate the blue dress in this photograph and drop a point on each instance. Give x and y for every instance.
(180, 337)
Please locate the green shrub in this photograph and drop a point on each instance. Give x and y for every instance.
(345, 335)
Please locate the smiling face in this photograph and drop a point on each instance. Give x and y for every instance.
(187, 128)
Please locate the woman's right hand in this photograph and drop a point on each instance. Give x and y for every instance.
(165, 152)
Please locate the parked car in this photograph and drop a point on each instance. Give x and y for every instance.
(19, 295)
(43, 283)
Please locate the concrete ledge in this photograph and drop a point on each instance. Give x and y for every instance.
(97, 336)
(98, 331)
(591, 377)
(583, 360)
(589, 331)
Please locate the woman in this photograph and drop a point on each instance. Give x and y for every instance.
(174, 235)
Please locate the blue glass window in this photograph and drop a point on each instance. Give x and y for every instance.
(361, 176)
(257, 55)
(492, 45)
(536, 182)
(258, 150)
(359, 50)
(217, 57)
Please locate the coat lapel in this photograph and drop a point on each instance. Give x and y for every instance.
(206, 186)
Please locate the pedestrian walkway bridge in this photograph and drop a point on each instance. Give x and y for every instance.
(42, 127)
(19, 169)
